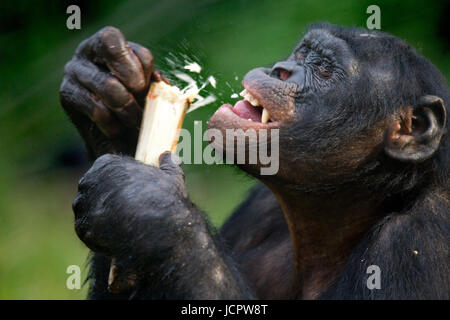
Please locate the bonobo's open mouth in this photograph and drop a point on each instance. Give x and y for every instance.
(267, 102)
(251, 109)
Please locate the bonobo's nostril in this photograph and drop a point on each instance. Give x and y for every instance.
(290, 71)
(280, 73)
(284, 74)
(282, 70)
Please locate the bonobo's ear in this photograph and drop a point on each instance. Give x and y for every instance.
(415, 137)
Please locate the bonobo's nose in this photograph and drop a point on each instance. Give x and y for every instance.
(282, 70)
(289, 71)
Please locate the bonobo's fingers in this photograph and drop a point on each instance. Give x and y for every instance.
(118, 196)
(169, 163)
(109, 47)
(158, 76)
(145, 57)
(109, 89)
(78, 101)
(116, 75)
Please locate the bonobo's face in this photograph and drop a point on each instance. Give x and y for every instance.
(344, 101)
(299, 96)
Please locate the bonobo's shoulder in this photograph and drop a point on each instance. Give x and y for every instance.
(258, 216)
(435, 204)
(428, 216)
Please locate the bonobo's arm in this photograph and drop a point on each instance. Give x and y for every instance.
(120, 211)
(103, 92)
(142, 216)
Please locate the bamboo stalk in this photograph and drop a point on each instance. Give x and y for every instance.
(160, 130)
(163, 116)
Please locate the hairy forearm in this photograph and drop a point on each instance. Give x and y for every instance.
(190, 264)
(201, 271)
(187, 261)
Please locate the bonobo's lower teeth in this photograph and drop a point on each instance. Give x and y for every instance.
(265, 116)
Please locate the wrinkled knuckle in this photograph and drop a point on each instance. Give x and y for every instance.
(68, 67)
(112, 42)
(111, 84)
(105, 160)
(83, 231)
(79, 229)
(140, 84)
(111, 30)
(147, 53)
(85, 44)
(64, 90)
(108, 32)
(146, 56)
(88, 237)
(82, 183)
(78, 206)
(64, 85)
(108, 157)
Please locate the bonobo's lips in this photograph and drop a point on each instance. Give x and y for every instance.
(261, 92)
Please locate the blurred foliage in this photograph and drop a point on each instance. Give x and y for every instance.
(41, 158)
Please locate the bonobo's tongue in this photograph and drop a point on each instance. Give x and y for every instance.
(245, 110)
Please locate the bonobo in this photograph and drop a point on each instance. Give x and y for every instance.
(363, 177)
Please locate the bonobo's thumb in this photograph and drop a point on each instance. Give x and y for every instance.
(169, 163)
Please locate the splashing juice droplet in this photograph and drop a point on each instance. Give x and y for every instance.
(212, 80)
(193, 67)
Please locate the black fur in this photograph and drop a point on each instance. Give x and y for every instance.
(143, 218)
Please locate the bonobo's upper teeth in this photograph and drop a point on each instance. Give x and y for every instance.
(265, 116)
(247, 96)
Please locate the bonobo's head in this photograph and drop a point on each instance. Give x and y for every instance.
(354, 107)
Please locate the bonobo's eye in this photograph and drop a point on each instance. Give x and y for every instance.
(326, 69)
(323, 66)
(324, 72)
(301, 53)
(317, 61)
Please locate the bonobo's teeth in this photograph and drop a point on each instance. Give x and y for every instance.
(265, 116)
(247, 96)
(254, 102)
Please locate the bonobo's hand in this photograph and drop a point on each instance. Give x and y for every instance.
(124, 206)
(103, 91)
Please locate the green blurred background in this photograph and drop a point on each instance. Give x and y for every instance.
(42, 156)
